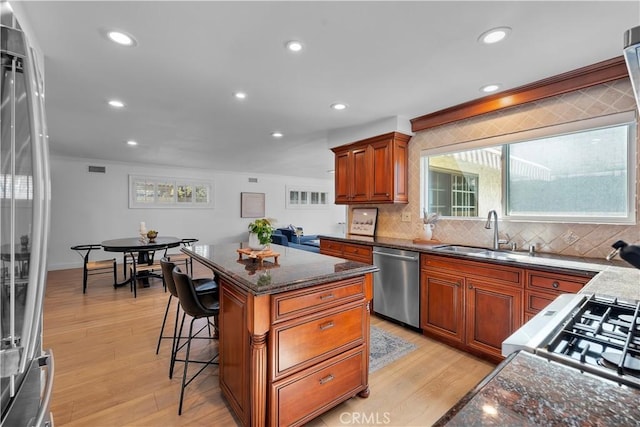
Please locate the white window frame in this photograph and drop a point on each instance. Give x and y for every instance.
(153, 202)
(305, 196)
(617, 119)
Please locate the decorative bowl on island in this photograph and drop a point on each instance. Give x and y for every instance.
(151, 235)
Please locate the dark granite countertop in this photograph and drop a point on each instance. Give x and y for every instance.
(611, 278)
(527, 390)
(295, 268)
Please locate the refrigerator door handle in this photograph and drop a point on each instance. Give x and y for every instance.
(45, 403)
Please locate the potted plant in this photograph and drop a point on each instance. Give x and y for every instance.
(260, 232)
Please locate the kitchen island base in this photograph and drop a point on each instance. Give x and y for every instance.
(294, 340)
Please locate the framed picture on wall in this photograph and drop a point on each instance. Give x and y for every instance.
(251, 205)
(363, 221)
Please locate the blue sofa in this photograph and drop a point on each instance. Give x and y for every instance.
(284, 237)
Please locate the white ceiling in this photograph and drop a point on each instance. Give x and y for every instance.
(384, 59)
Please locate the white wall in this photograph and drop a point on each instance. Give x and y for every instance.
(92, 207)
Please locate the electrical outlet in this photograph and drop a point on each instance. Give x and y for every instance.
(406, 216)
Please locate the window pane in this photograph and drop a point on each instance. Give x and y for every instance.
(460, 182)
(293, 197)
(304, 197)
(315, 198)
(580, 174)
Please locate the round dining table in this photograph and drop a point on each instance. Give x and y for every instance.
(143, 247)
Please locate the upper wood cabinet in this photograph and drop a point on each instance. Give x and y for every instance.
(373, 170)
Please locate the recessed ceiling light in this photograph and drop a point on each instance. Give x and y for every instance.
(132, 142)
(240, 95)
(494, 35)
(490, 88)
(121, 38)
(294, 45)
(339, 106)
(277, 134)
(116, 104)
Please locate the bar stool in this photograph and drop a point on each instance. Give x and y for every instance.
(182, 257)
(198, 307)
(202, 286)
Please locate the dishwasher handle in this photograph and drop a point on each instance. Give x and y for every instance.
(402, 257)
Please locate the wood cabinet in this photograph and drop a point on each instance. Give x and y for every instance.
(350, 251)
(470, 305)
(373, 170)
(305, 351)
(542, 287)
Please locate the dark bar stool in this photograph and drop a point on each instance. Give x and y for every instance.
(198, 307)
(202, 286)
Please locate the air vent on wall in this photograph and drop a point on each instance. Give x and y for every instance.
(253, 179)
(98, 169)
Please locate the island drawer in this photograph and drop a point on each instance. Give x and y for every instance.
(559, 283)
(302, 397)
(298, 303)
(330, 247)
(303, 342)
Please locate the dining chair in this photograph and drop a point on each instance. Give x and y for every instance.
(180, 257)
(198, 307)
(90, 268)
(202, 286)
(151, 267)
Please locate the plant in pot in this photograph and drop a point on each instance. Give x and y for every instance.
(260, 232)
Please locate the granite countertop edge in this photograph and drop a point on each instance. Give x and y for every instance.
(352, 269)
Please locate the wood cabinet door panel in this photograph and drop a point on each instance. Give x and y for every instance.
(401, 170)
(493, 312)
(360, 188)
(305, 395)
(381, 171)
(342, 177)
(299, 343)
(442, 303)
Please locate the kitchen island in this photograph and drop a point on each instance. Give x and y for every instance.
(294, 331)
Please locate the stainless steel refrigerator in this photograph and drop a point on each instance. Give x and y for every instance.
(26, 371)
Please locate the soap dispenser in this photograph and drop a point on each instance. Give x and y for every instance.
(629, 253)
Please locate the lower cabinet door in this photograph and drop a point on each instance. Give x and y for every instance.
(442, 305)
(493, 313)
(303, 396)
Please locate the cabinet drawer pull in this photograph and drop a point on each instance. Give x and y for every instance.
(555, 285)
(326, 379)
(470, 287)
(327, 325)
(326, 297)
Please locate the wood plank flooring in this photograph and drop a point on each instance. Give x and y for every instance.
(107, 372)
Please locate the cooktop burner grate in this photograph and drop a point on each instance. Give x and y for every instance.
(600, 336)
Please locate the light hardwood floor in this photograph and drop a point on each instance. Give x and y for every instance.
(107, 372)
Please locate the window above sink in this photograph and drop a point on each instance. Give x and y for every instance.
(582, 171)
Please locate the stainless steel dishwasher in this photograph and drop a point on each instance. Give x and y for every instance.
(396, 287)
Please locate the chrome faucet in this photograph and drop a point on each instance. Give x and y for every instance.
(496, 241)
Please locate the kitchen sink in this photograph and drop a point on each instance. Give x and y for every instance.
(467, 250)
(483, 252)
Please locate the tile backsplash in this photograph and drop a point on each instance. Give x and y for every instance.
(585, 240)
